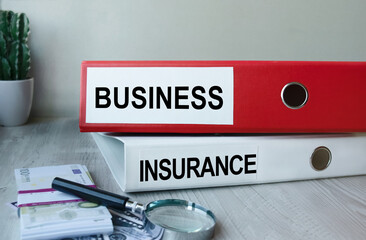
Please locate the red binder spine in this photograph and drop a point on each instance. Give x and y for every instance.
(266, 96)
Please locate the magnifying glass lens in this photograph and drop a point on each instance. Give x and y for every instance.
(180, 216)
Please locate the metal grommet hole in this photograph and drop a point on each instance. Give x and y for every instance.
(294, 95)
(321, 158)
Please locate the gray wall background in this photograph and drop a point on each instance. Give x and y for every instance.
(65, 32)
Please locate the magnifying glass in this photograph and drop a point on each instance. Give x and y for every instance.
(180, 219)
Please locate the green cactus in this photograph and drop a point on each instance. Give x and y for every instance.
(14, 50)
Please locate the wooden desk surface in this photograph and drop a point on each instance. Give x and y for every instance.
(318, 209)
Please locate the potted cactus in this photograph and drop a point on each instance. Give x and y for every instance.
(16, 88)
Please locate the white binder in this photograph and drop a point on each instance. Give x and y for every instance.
(145, 163)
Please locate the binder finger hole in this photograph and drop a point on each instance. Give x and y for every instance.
(321, 158)
(294, 95)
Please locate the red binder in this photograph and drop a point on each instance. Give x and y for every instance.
(223, 96)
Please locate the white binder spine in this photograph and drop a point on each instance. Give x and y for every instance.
(145, 163)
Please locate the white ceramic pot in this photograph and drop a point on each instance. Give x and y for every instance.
(15, 101)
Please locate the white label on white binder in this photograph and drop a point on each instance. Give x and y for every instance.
(166, 95)
(195, 166)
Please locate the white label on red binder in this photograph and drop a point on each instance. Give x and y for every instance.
(185, 166)
(166, 95)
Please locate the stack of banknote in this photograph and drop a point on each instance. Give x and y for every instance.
(49, 214)
(64, 220)
(40, 222)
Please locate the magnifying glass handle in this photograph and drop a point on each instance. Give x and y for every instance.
(95, 195)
